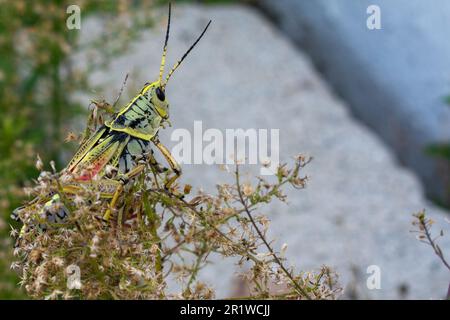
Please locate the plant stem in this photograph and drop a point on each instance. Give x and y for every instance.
(432, 243)
(262, 237)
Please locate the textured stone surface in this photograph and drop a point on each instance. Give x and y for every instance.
(356, 210)
(395, 78)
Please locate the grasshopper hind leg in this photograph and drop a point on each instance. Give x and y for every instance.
(128, 168)
(15, 215)
(122, 180)
(53, 211)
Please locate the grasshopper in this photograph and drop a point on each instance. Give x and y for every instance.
(119, 142)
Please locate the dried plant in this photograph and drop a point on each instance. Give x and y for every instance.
(423, 226)
(156, 235)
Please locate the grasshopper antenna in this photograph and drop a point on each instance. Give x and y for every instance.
(185, 55)
(163, 59)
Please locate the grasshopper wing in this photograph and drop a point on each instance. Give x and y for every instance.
(105, 151)
(86, 147)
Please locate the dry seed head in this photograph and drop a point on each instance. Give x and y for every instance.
(247, 189)
(71, 136)
(39, 164)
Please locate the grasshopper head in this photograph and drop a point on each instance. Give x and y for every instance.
(155, 93)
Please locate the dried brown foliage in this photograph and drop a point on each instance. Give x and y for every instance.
(157, 234)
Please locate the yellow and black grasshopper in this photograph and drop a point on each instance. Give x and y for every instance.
(119, 142)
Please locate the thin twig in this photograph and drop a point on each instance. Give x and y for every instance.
(426, 231)
(263, 238)
(197, 213)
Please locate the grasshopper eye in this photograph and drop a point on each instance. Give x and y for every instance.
(160, 94)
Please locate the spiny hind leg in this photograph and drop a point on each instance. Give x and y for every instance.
(103, 105)
(53, 212)
(95, 119)
(172, 162)
(120, 182)
(113, 202)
